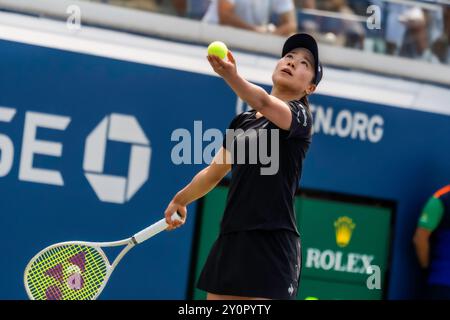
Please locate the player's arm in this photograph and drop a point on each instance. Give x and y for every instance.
(201, 184)
(274, 109)
(428, 222)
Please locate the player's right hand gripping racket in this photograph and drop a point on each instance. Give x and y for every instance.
(79, 270)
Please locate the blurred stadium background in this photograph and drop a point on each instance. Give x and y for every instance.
(84, 83)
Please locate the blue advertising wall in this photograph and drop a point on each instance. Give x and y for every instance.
(406, 165)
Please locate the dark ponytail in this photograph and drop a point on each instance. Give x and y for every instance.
(304, 101)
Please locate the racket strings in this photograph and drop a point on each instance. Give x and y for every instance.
(67, 272)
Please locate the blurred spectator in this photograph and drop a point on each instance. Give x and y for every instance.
(254, 15)
(307, 22)
(441, 45)
(416, 43)
(337, 6)
(435, 22)
(359, 7)
(395, 30)
(406, 30)
(305, 4)
(149, 5)
(432, 243)
(194, 9)
(351, 31)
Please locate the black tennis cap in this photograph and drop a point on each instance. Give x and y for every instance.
(304, 40)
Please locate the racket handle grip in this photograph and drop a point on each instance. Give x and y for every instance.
(154, 229)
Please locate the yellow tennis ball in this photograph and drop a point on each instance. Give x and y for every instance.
(311, 298)
(218, 48)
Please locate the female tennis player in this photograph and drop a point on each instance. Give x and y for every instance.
(257, 254)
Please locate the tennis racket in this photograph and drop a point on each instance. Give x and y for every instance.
(79, 270)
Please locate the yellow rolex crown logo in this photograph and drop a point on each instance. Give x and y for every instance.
(344, 228)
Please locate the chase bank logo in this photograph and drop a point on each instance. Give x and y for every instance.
(120, 128)
(114, 127)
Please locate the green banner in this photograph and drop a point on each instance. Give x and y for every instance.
(345, 246)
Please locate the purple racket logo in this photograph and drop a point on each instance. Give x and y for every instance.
(71, 275)
(75, 281)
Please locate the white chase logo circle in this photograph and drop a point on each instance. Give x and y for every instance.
(120, 128)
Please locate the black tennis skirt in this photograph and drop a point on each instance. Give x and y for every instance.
(256, 263)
